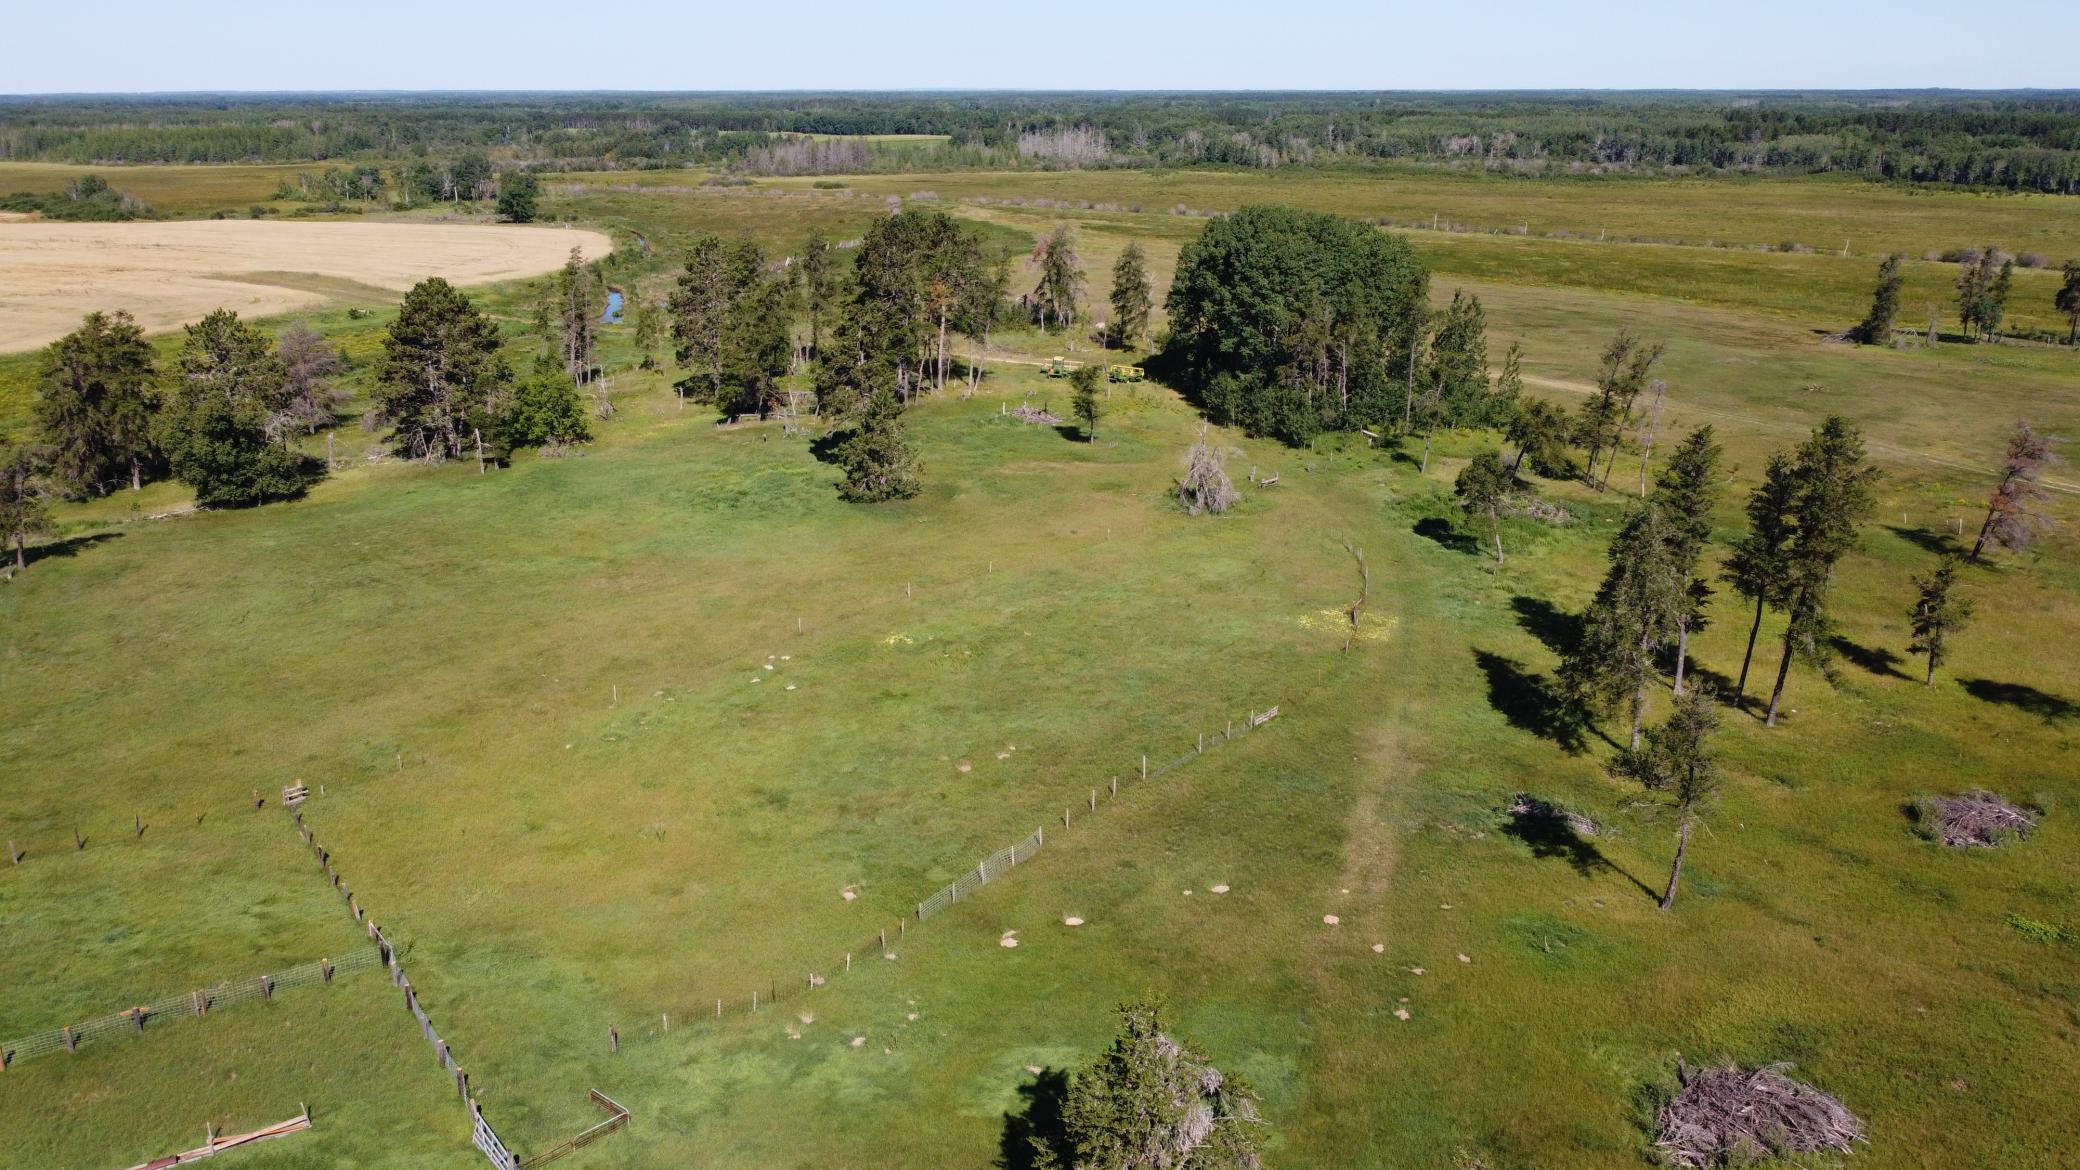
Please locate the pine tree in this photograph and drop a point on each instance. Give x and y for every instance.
(876, 456)
(757, 345)
(1877, 324)
(94, 405)
(1621, 377)
(1153, 1102)
(1458, 365)
(1835, 494)
(1937, 614)
(1632, 617)
(1132, 296)
(1541, 431)
(1759, 566)
(1483, 491)
(650, 330)
(440, 373)
(24, 510)
(1677, 761)
(1686, 493)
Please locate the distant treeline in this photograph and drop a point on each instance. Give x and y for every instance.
(2009, 140)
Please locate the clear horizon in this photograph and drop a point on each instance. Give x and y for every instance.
(134, 49)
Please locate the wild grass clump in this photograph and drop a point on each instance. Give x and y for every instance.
(1975, 819)
(1732, 1116)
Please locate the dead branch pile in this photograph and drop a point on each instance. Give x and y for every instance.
(1976, 818)
(1035, 417)
(1532, 508)
(1530, 809)
(1205, 486)
(1732, 1116)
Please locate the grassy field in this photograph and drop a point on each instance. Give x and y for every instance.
(548, 772)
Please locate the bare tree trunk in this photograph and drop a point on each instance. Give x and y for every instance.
(1682, 650)
(942, 351)
(1985, 528)
(136, 474)
(1639, 710)
(1783, 670)
(1425, 470)
(1740, 687)
(21, 551)
(1675, 872)
(1498, 542)
(1930, 679)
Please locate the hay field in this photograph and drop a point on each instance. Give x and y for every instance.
(168, 274)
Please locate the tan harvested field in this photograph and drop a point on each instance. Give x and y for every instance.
(169, 274)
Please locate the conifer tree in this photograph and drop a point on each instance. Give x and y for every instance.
(1686, 493)
(816, 285)
(1938, 613)
(2015, 514)
(1759, 567)
(1084, 400)
(215, 427)
(24, 510)
(1631, 618)
(876, 456)
(574, 314)
(1132, 296)
(441, 372)
(94, 405)
(1677, 761)
(1876, 328)
(1053, 300)
(2067, 300)
(1151, 1101)
(1620, 379)
(1835, 494)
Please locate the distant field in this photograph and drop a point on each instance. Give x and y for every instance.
(171, 190)
(167, 274)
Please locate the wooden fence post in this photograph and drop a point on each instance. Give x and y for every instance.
(12, 852)
(78, 842)
(1144, 765)
(71, 1042)
(1094, 800)
(613, 1039)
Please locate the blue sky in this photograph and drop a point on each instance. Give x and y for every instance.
(130, 46)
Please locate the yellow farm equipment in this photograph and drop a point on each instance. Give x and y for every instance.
(1125, 374)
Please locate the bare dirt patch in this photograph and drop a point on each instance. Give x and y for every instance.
(169, 274)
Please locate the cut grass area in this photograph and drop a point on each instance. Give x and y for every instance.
(549, 774)
(171, 190)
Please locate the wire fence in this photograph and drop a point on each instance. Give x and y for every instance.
(197, 1003)
(772, 991)
(617, 1118)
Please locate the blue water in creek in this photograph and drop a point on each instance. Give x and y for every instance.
(613, 314)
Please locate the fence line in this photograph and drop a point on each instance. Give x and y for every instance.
(200, 1002)
(617, 1118)
(776, 991)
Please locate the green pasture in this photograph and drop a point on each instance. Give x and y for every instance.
(549, 773)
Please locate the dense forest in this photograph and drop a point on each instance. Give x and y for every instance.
(2007, 140)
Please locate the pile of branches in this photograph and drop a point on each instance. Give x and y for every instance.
(1529, 809)
(1036, 417)
(1206, 486)
(1731, 1116)
(1976, 818)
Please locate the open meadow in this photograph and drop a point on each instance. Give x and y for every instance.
(610, 744)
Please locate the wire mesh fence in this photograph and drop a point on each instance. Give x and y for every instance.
(998, 864)
(200, 1002)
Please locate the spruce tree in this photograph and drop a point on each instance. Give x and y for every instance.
(1677, 761)
(574, 314)
(1151, 1101)
(1686, 493)
(1759, 566)
(1053, 299)
(699, 304)
(816, 285)
(1938, 613)
(94, 405)
(2067, 300)
(1621, 377)
(1835, 494)
(1132, 296)
(1877, 324)
(1541, 431)
(876, 456)
(1631, 618)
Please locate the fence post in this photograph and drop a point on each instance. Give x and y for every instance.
(664, 1021)
(613, 1039)
(1094, 800)
(754, 1001)
(1144, 765)
(718, 1009)
(267, 988)
(848, 960)
(1040, 835)
(71, 1041)
(1115, 786)
(325, 967)
(1202, 743)
(12, 852)
(1065, 818)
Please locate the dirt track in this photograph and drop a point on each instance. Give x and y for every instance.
(169, 274)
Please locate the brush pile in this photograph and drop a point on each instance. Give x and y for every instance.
(1975, 819)
(1034, 416)
(1733, 1116)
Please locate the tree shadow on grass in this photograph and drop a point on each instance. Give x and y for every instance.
(1530, 702)
(1881, 662)
(2053, 708)
(1071, 432)
(1547, 622)
(1442, 531)
(1938, 543)
(1038, 1126)
(824, 447)
(1550, 832)
(71, 546)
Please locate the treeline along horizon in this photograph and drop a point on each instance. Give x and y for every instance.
(2013, 140)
